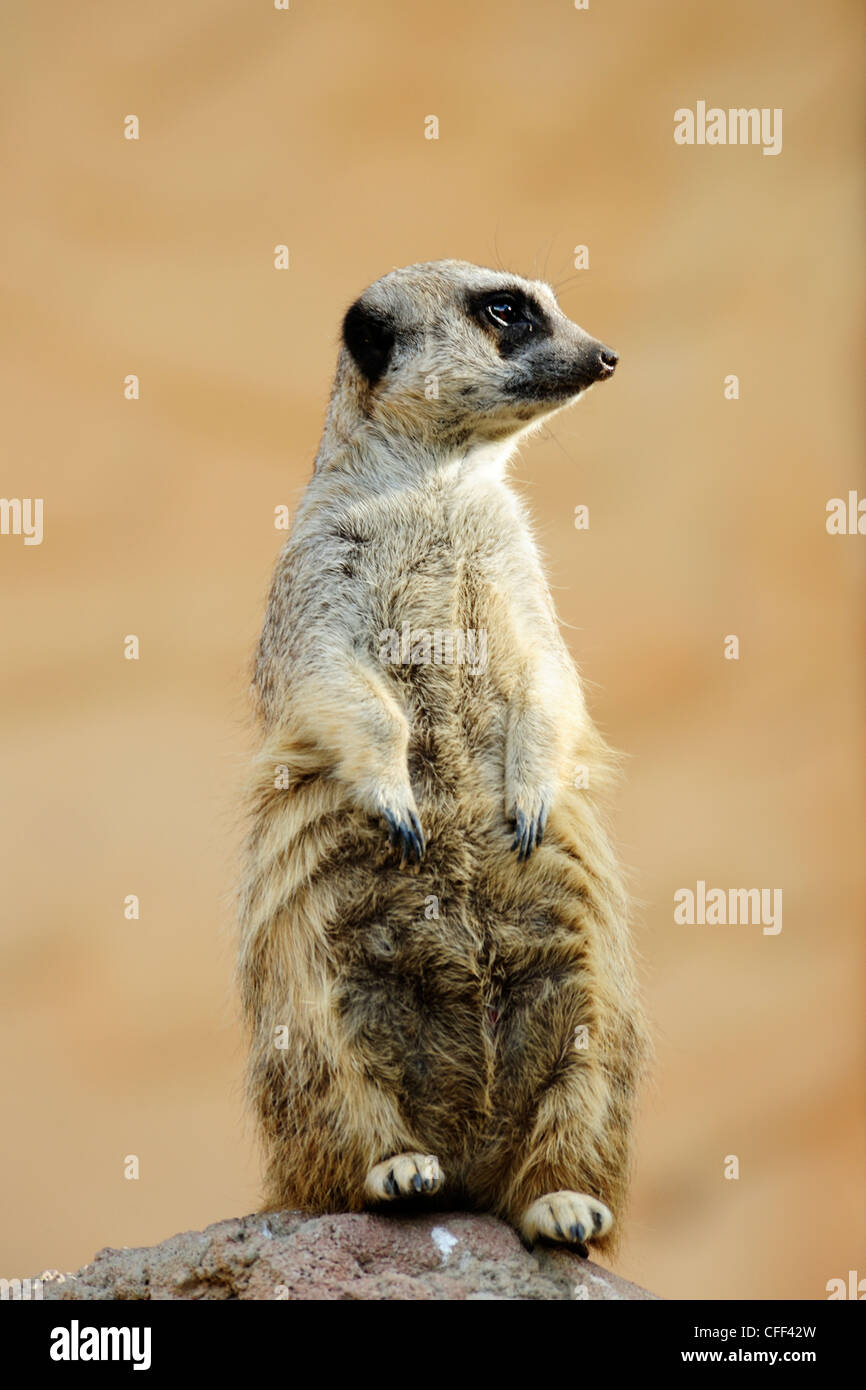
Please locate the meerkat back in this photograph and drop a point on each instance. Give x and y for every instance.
(434, 963)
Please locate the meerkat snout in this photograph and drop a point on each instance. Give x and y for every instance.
(479, 355)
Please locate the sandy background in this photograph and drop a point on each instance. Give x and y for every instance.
(707, 518)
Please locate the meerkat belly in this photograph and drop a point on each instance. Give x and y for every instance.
(443, 977)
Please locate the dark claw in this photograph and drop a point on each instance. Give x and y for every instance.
(390, 1184)
(521, 835)
(597, 1220)
(417, 1182)
(418, 838)
(528, 834)
(581, 1232)
(428, 1184)
(573, 1230)
(407, 835)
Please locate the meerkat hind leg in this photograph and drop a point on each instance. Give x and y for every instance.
(572, 1218)
(404, 1175)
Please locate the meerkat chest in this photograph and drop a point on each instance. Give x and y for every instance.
(437, 587)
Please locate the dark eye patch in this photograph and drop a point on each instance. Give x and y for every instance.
(512, 317)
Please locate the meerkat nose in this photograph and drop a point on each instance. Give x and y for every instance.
(606, 362)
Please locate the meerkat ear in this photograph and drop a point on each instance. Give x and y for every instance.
(370, 339)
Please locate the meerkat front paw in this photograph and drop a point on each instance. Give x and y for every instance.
(571, 1218)
(396, 806)
(529, 827)
(404, 1175)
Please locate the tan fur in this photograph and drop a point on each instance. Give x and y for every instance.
(424, 1039)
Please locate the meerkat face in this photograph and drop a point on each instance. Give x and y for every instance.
(457, 353)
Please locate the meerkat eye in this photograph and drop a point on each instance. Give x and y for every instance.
(513, 316)
(503, 311)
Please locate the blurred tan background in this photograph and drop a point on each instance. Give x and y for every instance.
(155, 257)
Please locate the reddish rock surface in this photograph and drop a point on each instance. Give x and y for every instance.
(289, 1255)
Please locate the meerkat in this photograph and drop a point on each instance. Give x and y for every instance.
(434, 963)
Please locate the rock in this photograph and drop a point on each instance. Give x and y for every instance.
(292, 1255)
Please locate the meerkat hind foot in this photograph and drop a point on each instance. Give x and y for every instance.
(404, 1175)
(572, 1218)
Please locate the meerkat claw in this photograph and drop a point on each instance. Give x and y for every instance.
(584, 1218)
(404, 1175)
(528, 832)
(407, 835)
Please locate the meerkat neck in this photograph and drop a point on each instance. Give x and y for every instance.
(373, 455)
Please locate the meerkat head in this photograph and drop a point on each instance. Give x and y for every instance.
(459, 354)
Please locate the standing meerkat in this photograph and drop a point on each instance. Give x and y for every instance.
(434, 964)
